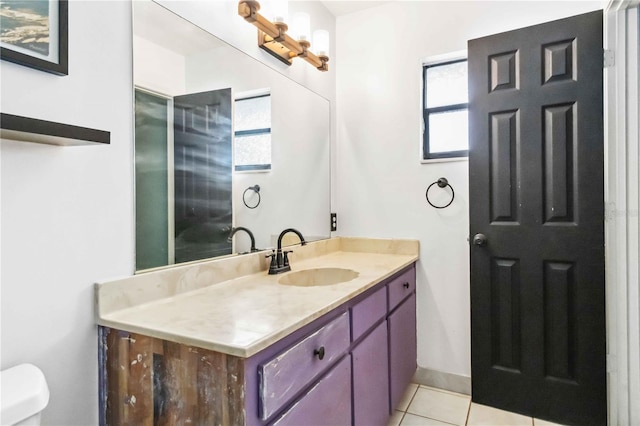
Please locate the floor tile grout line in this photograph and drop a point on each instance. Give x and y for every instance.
(466, 420)
(440, 391)
(431, 418)
(406, 410)
(445, 391)
(402, 418)
(412, 397)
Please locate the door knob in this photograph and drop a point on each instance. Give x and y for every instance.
(480, 239)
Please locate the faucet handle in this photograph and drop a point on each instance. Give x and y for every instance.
(285, 260)
(273, 264)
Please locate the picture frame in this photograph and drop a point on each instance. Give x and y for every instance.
(34, 33)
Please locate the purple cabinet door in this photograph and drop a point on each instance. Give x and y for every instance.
(371, 379)
(327, 403)
(402, 349)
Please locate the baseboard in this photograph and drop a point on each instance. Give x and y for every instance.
(442, 380)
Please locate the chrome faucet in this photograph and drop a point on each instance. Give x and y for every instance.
(242, 228)
(280, 259)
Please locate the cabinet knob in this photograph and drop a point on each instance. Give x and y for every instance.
(405, 285)
(319, 352)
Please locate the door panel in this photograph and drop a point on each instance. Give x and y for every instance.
(559, 320)
(536, 192)
(506, 329)
(504, 166)
(559, 181)
(203, 214)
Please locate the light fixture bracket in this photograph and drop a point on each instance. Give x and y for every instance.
(276, 49)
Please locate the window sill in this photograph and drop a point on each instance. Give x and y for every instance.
(252, 171)
(444, 160)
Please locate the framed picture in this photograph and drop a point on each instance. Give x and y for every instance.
(34, 33)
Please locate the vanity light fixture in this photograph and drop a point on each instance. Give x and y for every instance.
(273, 37)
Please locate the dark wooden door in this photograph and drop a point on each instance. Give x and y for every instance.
(536, 196)
(202, 157)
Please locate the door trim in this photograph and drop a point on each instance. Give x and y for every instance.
(621, 115)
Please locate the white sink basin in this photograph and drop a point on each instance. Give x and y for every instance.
(318, 277)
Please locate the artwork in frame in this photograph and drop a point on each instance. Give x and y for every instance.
(34, 33)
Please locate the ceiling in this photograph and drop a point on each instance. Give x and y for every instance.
(339, 7)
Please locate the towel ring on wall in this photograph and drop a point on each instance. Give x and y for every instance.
(254, 188)
(442, 183)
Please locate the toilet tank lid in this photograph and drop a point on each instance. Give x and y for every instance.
(23, 393)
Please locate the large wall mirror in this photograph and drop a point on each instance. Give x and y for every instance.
(221, 142)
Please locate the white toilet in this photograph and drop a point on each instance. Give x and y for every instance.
(23, 395)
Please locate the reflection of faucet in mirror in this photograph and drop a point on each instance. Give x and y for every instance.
(242, 228)
(280, 260)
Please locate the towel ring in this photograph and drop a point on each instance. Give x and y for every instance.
(254, 188)
(442, 183)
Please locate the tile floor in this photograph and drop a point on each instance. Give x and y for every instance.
(422, 405)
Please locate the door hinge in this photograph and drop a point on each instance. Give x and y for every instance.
(334, 222)
(609, 58)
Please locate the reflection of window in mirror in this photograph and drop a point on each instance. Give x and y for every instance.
(252, 141)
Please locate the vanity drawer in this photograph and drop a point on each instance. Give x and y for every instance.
(401, 287)
(282, 377)
(367, 312)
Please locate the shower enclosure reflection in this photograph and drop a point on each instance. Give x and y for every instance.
(211, 122)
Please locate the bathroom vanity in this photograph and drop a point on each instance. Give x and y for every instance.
(252, 351)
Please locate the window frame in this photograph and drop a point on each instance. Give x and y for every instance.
(426, 112)
(251, 132)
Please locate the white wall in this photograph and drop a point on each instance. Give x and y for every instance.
(381, 183)
(67, 212)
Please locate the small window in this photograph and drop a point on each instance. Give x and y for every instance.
(252, 141)
(445, 110)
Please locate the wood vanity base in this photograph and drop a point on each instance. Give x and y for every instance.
(349, 366)
(151, 381)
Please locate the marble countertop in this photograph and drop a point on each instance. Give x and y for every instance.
(245, 314)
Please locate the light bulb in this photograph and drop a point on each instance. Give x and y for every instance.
(320, 43)
(301, 26)
(280, 11)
